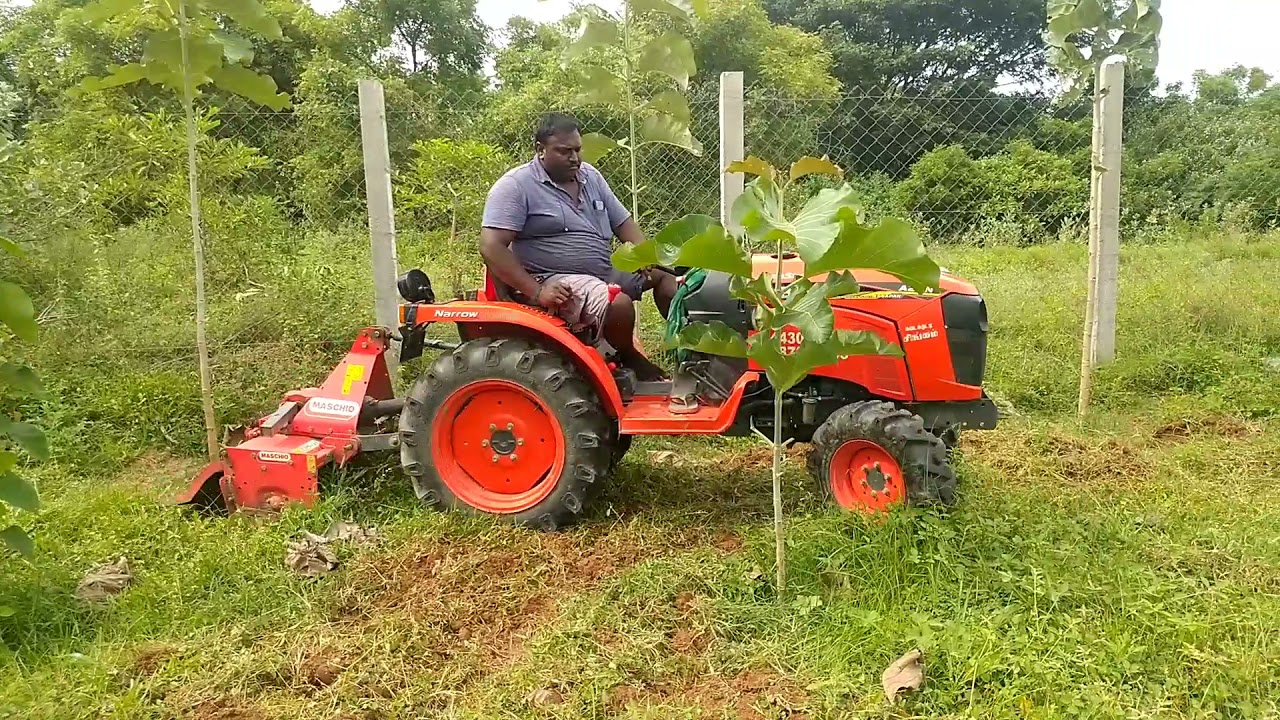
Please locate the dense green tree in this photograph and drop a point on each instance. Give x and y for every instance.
(917, 46)
(443, 40)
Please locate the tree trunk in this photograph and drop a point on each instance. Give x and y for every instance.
(779, 529)
(1095, 249)
(193, 188)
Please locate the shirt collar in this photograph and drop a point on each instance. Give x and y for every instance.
(540, 173)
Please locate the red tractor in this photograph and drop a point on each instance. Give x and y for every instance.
(525, 420)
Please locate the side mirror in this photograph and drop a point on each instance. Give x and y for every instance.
(415, 287)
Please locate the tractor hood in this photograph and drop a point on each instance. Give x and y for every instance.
(870, 280)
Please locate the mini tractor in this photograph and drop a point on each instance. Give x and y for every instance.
(525, 420)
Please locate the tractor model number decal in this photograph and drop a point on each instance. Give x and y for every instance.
(354, 374)
(274, 456)
(913, 333)
(456, 314)
(330, 408)
(307, 446)
(790, 339)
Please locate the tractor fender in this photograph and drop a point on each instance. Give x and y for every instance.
(503, 319)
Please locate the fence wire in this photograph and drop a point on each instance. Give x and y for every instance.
(100, 193)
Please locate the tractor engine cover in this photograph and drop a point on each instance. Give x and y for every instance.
(712, 302)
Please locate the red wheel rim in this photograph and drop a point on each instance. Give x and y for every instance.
(497, 446)
(864, 476)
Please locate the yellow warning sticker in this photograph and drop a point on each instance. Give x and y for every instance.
(355, 373)
(311, 464)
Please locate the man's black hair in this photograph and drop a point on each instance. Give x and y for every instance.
(554, 124)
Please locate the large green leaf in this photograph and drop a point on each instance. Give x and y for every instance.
(669, 130)
(11, 247)
(693, 240)
(1150, 24)
(593, 32)
(713, 338)
(1089, 14)
(18, 492)
(805, 305)
(30, 437)
(806, 166)
(596, 146)
(892, 247)
(20, 379)
(807, 309)
(235, 49)
(812, 230)
(1058, 7)
(758, 211)
(600, 87)
(96, 12)
(752, 166)
(162, 58)
(784, 370)
(1144, 58)
(7, 461)
(252, 85)
(118, 75)
(678, 9)
(1060, 28)
(758, 290)
(18, 539)
(250, 14)
(670, 102)
(670, 54)
(17, 312)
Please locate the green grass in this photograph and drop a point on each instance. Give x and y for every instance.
(1127, 566)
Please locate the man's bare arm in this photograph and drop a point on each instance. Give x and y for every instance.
(629, 232)
(495, 248)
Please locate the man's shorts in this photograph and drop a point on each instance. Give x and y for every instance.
(589, 298)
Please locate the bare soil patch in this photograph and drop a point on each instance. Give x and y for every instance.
(750, 695)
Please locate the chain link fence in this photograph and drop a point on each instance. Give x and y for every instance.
(99, 191)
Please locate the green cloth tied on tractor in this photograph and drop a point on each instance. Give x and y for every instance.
(678, 317)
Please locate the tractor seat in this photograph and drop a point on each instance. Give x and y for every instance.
(495, 289)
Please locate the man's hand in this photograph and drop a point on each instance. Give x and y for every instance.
(553, 294)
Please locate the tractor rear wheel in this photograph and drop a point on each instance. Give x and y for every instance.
(872, 455)
(507, 428)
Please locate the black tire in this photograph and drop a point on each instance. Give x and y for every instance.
(927, 475)
(950, 437)
(557, 384)
(620, 449)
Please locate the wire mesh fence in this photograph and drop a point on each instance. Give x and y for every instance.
(100, 190)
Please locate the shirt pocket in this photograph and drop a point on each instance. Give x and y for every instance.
(545, 218)
(598, 212)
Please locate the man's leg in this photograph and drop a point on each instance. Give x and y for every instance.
(619, 331)
(662, 283)
(664, 290)
(616, 320)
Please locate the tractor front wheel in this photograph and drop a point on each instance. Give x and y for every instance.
(872, 455)
(507, 428)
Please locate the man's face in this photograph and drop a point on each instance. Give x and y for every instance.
(561, 155)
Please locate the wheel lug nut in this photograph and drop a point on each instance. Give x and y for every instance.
(520, 441)
(492, 426)
(495, 458)
(484, 443)
(513, 457)
(511, 426)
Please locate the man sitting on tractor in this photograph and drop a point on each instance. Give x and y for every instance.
(547, 231)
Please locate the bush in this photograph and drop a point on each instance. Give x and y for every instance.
(952, 194)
